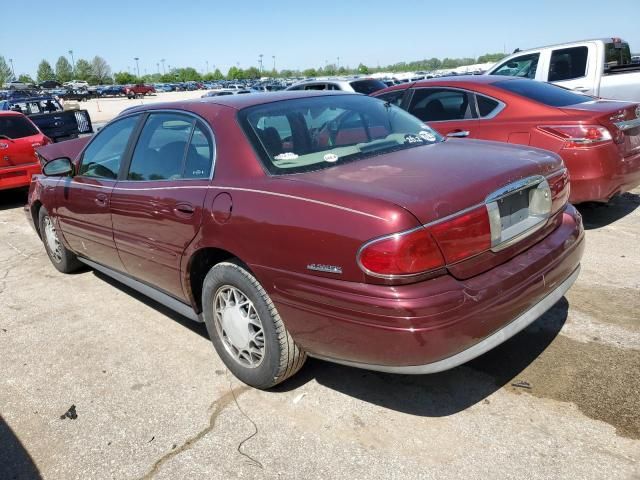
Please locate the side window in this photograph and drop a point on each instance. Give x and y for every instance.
(161, 148)
(199, 154)
(317, 86)
(568, 63)
(486, 106)
(436, 105)
(524, 66)
(103, 155)
(394, 97)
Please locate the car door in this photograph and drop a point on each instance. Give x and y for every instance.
(571, 68)
(448, 110)
(83, 200)
(157, 206)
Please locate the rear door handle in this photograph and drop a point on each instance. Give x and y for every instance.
(101, 200)
(184, 210)
(458, 134)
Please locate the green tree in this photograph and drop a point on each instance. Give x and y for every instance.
(5, 71)
(24, 78)
(83, 70)
(362, 68)
(123, 78)
(491, 57)
(45, 72)
(64, 72)
(235, 73)
(100, 70)
(310, 72)
(252, 72)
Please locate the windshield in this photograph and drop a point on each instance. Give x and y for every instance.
(616, 55)
(314, 133)
(16, 126)
(543, 92)
(367, 87)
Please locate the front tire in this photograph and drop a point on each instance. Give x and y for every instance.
(63, 259)
(246, 329)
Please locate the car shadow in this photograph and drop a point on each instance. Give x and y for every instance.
(434, 395)
(195, 327)
(10, 199)
(444, 393)
(15, 461)
(598, 215)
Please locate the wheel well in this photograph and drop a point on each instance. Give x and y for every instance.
(199, 265)
(35, 213)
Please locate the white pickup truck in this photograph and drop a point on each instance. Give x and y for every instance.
(601, 67)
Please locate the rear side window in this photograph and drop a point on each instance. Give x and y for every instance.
(199, 154)
(436, 105)
(523, 66)
(487, 107)
(394, 98)
(367, 87)
(541, 92)
(317, 86)
(568, 63)
(16, 126)
(161, 148)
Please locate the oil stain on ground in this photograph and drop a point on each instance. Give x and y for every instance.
(601, 380)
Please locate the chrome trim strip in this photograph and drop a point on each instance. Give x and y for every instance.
(628, 124)
(514, 187)
(160, 297)
(488, 343)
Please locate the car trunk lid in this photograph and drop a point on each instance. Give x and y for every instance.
(622, 119)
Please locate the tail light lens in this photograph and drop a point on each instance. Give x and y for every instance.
(405, 253)
(425, 249)
(579, 136)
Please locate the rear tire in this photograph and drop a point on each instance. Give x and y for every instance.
(63, 259)
(246, 329)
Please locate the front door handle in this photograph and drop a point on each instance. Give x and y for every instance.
(101, 200)
(184, 210)
(458, 134)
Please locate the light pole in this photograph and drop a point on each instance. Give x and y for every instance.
(73, 62)
(207, 62)
(164, 71)
(274, 62)
(158, 65)
(260, 63)
(338, 64)
(13, 70)
(137, 65)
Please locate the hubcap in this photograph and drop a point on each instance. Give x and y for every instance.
(51, 237)
(239, 327)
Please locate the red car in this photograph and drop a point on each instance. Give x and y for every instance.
(138, 90)
(315, 223)
(19, 138)
(599, 140)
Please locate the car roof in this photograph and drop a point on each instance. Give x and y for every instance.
(239, 102)
(8, 113)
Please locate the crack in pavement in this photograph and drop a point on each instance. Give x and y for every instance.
(218, 406)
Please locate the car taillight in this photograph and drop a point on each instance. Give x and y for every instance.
(579, 136)
(464, 236)
(429, 248)
(405, 253)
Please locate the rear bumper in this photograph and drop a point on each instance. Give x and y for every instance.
(431, 325)
(19, 176)
(598, 174)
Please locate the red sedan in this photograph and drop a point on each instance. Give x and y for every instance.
(599, 140)
(314, 223)
(19, 138)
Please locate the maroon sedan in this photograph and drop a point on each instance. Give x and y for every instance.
(308, 223)
(599, 140)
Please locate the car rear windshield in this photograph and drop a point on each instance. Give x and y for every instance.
(314, 133)
(542, 92)
(616, 55)
(16, 126)
(367, 86)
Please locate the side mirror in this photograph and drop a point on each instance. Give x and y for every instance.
(60, 167)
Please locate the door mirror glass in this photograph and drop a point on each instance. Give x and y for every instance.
(60, 167)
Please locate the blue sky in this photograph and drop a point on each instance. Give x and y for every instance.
(300, 34)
